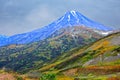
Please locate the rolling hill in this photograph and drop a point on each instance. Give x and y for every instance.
(104, 52)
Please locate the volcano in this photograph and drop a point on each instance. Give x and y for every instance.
(70, 19)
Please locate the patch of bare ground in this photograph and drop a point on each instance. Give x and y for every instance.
(7, 76)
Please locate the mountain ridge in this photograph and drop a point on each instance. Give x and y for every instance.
(70, 19)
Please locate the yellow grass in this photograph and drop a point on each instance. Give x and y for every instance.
(64, 78)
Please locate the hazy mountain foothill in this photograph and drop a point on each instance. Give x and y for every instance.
(70, 48)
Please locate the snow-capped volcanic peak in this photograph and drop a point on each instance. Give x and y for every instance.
(70, 19)
(74, 18)
(74, 13)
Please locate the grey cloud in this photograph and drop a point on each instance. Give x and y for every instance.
(18, 16)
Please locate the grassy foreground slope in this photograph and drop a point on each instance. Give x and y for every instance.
(101, 54)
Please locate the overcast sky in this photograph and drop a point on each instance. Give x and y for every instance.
(19, 16)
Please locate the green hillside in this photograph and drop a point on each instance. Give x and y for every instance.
(99, 58)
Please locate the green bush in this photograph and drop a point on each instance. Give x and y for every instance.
(48, 77)
(19, 78)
